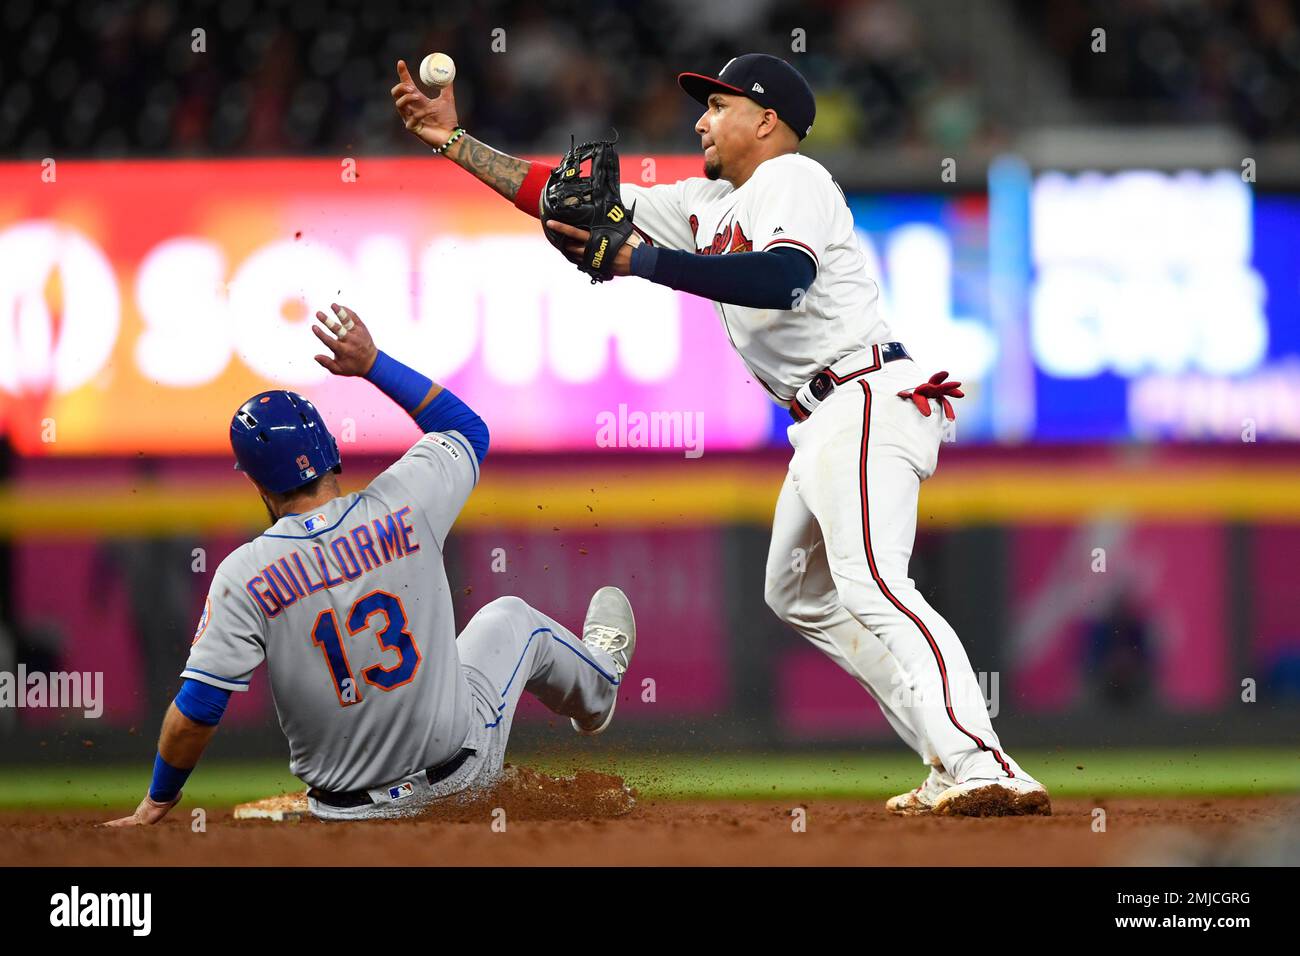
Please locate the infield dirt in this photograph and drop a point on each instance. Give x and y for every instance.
(704, 833)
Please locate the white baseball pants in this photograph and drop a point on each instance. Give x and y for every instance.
(837, 569)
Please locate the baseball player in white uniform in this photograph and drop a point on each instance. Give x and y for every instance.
(767, 235)
(345, 599)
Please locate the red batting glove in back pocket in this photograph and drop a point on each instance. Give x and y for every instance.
(938, 389)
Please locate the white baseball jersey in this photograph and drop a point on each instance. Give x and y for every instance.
(849, 500)
(792, 201)
(350, 608)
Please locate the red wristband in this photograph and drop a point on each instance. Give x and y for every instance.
(529, 196)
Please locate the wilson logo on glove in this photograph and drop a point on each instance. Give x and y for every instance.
(589, 202)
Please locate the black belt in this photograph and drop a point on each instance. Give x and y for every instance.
(346, 799)
(825, 381)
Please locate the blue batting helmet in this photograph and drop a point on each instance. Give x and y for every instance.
(280, 440)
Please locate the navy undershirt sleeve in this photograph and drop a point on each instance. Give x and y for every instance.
(776, 279)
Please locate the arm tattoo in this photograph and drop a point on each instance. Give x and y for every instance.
(503, 173)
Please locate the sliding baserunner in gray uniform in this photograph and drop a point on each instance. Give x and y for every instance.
(346, 600)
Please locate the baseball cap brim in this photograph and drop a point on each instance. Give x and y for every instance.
(698, 87)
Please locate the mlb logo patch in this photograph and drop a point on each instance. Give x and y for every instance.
(305, 469)
(401, 790)
(314, 522)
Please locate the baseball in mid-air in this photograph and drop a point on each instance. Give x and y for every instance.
(437, 69)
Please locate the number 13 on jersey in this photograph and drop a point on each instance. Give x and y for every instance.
(392, 635)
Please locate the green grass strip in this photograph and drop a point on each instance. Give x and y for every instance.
(868, 776)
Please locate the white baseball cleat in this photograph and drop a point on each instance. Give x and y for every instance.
(609, 627)
(921, 800)
(994, 797)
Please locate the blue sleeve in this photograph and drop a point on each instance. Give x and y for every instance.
(445, 413)
(202, 703)
(401, 383)
(776, 279)
(167, 780)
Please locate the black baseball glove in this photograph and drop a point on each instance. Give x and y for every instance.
(590, 202)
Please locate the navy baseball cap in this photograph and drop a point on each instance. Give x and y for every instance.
(769, 81)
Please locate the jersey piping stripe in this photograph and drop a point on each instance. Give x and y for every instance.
(228, 680)
(800, 413)
(581, 656)
(873, 367)
(315, 534)
(519, 663)
(884, 589)
(473, 460)
(545, 630)
(797, 244)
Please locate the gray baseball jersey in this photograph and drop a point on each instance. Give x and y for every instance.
(350, 608)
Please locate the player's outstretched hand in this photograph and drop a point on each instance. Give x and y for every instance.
(432, 120)
(574, 249)
(348, 338)
(146, 814)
